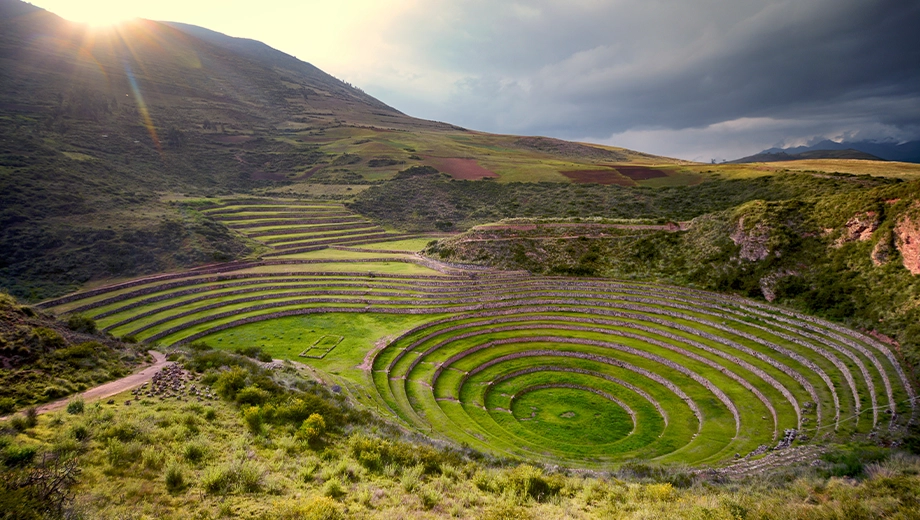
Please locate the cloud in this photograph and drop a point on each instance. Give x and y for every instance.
(684, 71)
(595, 69)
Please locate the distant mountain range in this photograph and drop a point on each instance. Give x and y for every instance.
(827, 149)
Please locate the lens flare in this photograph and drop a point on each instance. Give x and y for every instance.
(142, 107)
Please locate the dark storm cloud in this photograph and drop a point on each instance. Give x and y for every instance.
(596, 68)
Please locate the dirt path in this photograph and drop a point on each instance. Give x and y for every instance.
(112, 387)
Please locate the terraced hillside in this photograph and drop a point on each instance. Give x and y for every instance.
(290, 227)
(597, 372)
(582, 372)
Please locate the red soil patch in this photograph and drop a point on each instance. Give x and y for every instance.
(231, 139)
(608, 176)
(465, 169)
(640, 173)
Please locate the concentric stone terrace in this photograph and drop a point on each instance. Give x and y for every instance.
(583, 372)
(588, 373)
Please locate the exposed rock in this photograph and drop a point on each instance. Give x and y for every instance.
(768, 283)
(753, 242)
(907, 240)
(881, 253)
(860, 227)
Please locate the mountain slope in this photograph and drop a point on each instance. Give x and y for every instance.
(813, 154)
(827, 149)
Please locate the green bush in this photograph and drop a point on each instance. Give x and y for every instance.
(230, 382)
(153, 458)
(80, 323)
(194, 452)
(253, 418)
(199, 346)
(411, 478)
(48, 338)
(526, 481)
(76, 406)
(245, 477)
(852, 461)
(175, 478)
(7, 405)
(79, 432)
(251, 395)
(312, 429)
(14, 455)
(28, 419)
(254, 353)
(334, 489)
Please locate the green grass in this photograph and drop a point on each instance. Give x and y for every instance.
(285, 338)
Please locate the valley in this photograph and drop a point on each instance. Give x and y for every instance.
(356, 313)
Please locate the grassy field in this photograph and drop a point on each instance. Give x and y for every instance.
(246, 442)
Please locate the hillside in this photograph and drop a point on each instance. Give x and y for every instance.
(101, 128)
(43, 359)
(850, 256)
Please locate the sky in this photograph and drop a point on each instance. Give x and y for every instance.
(697, 80)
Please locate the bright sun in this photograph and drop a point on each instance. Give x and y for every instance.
(96, 14)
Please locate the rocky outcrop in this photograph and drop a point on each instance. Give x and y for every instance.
(753, 241)
(768, 283)
(907, 240)
(881, 252)
(860, 228)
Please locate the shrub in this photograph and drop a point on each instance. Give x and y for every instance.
(230, 382)
(312, 429)
(252, 416)
(48, 338)
(216, 480)
(526, 481)
(659, 492)
(429, 496)
(252, 395)
(80, 351)
(199, 346)
(7, 405)
(254, 353)
(120, 453)
(153, 458)
(79, 432)
(54, 391)
(194, 452)
(76, 406)
(28, 419)
(334, 489)
(411, 478)
(242, 476)
(851, 462)
(175, 478)
(296, 411)
(80, 323)
(14, 456)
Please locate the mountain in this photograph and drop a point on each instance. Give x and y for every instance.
(102, 130)
(827, 149)
(767, 156)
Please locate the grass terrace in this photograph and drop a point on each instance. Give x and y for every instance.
(580, 372)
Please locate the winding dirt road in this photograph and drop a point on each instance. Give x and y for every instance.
(112, 387)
